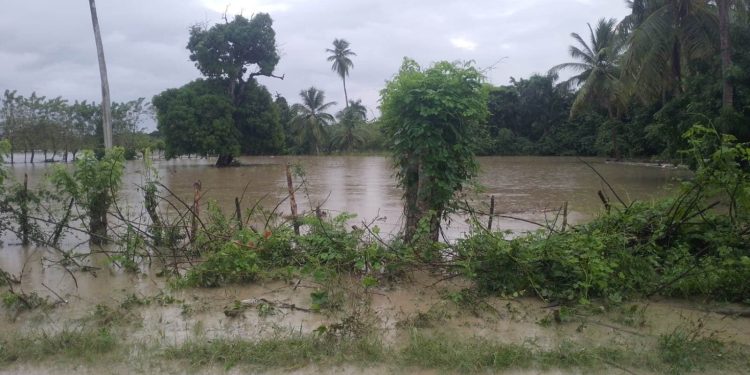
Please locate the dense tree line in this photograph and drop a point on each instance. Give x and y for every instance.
(637, 85)
(633, 87)
(60, 129)
(228, 113)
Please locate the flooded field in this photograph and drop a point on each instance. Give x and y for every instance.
(146, 313)
(527, 187)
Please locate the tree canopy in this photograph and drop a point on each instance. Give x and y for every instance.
(228, 113)
(433, 119)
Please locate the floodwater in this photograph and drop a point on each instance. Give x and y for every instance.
(528, 187)
(532, 188)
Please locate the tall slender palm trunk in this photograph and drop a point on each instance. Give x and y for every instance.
(106, 103)
(726, 53)
(346, 97)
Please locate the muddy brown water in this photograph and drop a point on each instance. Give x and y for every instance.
(528, 187)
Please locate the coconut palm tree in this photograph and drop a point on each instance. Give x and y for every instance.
(349, 118)
(665, 36)
(106, 110)
(725, 44)
(341, 62)
(310, 119)
(598, 71)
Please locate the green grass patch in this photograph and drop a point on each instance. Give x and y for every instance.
(280, 352)
(475, 355)
(76, 344)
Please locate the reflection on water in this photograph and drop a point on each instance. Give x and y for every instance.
(527, 187)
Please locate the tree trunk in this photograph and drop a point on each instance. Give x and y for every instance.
(613, 133)
(225, 161)
(98, 218)
(346, 97)
(411, 210)
(677, 66)
(106, 103)
(418, 206)
(726, 53)
(32, 156)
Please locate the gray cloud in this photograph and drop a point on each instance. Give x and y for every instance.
(47, 45)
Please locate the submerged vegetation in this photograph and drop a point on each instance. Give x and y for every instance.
(630, 97)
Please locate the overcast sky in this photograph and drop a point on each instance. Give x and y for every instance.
(47, 46)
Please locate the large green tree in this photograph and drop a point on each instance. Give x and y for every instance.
(432, 119)
(350, 118)
(311, 119)
(598, 72)
(340, 56)
(197, 118)
(235, 52)
(666, 37)
(243, 118)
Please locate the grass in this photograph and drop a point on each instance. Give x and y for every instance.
(69, 343)
(447, 353)
(686, 349)
(288, 352)
(679, 352)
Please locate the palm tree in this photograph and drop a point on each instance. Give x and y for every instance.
(341, 61)
(311, 119)
(349, 118)
(598, 71)
(666, 35)
(106, 110)
(725, 43)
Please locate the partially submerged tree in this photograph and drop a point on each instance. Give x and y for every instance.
(229, 112)
(197, 118)
(93, 186)
(432, 119)
(311, 119)
(235, 52)
(341, 62)
(349, 119)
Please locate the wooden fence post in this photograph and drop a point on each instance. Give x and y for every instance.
(492, 213)
(292, 200)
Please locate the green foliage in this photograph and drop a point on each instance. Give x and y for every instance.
(432, 120)
(229, 49)
(311, 120)
(280, 352)
(678, 246)
(347, 133)
(4, 150)
(235, 262)
(60, 127)
(84, 344)
(229, 112)
(329, 244)
(93, 185)
(688, 349)
(197, 118)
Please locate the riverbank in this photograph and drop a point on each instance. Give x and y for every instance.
(418, 324)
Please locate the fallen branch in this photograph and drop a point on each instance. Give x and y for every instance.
(240, 306)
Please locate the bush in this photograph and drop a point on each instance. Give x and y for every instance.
(234, 262)
(679, 246)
